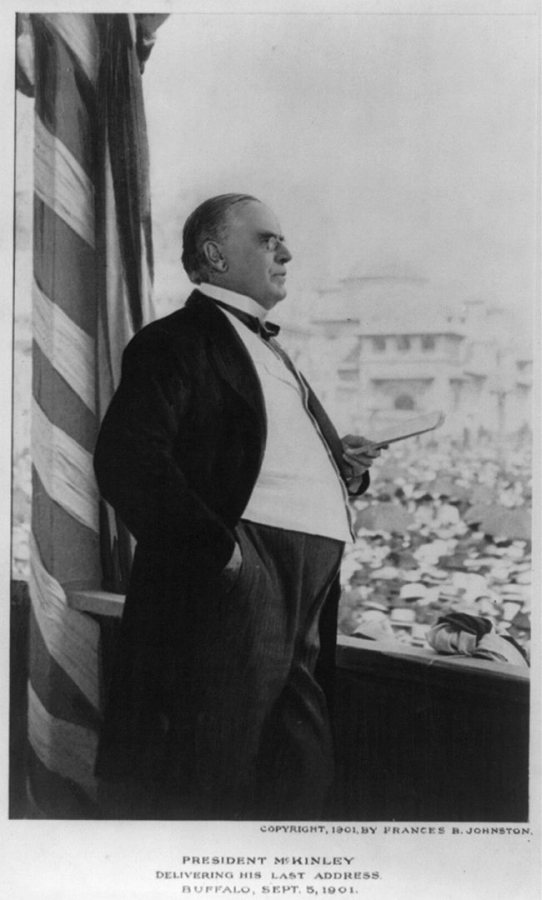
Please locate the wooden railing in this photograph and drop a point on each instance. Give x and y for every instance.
(419, 736)
(425, 737)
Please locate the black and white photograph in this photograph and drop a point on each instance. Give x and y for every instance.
(271, 498)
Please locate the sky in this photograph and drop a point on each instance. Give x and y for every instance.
(388, 145)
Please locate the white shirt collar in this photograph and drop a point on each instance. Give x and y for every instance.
(232, 298)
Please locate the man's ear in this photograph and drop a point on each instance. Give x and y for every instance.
(214, 257)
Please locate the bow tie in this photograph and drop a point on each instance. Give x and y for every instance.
(266, 330)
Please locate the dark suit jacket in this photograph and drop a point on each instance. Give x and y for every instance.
(178, 454)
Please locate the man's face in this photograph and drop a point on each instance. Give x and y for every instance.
(255, 254)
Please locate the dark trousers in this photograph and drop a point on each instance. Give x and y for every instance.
(260, 747)
(294, 765)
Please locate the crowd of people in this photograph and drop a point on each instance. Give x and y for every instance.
(442, 536)
(444, 528)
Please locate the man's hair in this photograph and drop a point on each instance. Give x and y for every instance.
(207, 223)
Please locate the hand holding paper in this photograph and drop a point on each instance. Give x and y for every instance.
(359, 454)
(398, 431)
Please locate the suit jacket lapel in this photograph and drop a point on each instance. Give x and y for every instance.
(327, 428)
(230, 357)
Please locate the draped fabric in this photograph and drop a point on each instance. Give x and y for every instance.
(92, 268)
(466, 635)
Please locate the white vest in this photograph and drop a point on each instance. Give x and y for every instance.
(299, 487)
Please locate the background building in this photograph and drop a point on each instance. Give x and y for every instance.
(383, 348)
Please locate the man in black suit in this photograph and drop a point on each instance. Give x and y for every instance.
(221, 462)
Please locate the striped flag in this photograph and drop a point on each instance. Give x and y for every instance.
(91, 291)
